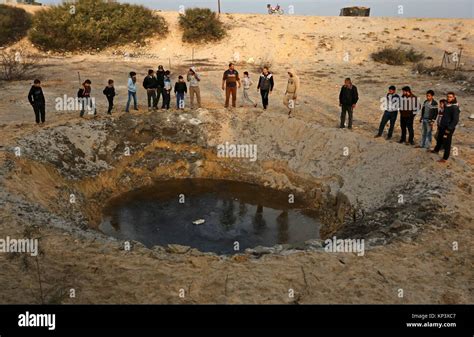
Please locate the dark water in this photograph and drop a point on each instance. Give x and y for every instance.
(233, 211)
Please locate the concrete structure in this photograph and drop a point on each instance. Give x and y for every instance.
(355, 11)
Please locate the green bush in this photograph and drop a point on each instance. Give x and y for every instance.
(201, 25)
(397, 56)
(94, 24)
(14, 24)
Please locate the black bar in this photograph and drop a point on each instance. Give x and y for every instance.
(374, 319)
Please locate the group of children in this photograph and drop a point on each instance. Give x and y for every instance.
(157, 84)
(443, 116)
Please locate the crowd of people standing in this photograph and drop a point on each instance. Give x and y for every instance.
(443, 117)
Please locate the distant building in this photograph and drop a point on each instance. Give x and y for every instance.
(355, 11)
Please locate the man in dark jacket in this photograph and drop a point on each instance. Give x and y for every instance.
(429, 112)
(391, 107)
(160, 78)
(408, 110)
(37, 101)
(150, 84)
(265, 85)
(447, 126)
(348, 98)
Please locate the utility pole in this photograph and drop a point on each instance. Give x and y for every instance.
(219, 6)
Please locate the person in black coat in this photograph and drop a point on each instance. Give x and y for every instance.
(447, 126)
(180, 89)
(109, 92)
(265, 85)
(150, 84)
(160, 78)
(37, 101)
(348, 98)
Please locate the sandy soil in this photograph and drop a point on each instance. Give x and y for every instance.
(411, 245)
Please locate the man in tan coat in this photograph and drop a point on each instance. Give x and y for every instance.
(291, 92)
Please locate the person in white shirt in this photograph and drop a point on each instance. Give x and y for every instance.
(247, 83)
(132, 91)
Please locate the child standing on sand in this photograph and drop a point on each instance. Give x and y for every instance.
(180, 89)
(247, 83)
(109, 92)
(442, 104)
(37, 101)
(166, 90)
(132, 91)
(84, 96)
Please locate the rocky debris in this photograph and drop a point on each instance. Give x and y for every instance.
(161, 157)
(286, 249)
(71, 150)
(177, 249)
(93, 146)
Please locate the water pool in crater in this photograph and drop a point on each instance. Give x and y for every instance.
(232, 211)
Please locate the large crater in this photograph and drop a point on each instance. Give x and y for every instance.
(123, 177)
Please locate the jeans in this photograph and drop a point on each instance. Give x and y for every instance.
(426, 133)
(444, 142)
(111, 104)
(265, 94)
(40, 112)
(87, 101)
(166, 99)
(159, 91)
(406, 123)
(346, 109)
(180, 100)
(246, 97)
(386, 117)
(151, 96)
(131, 95)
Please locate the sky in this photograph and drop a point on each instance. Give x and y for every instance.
(411, 8)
